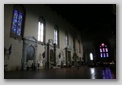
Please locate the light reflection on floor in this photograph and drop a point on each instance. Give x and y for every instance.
(92, 71)
(64, 73)
(106, 73)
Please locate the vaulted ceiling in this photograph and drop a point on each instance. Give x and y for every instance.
(86, 16)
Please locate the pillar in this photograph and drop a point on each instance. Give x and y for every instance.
(66, 56)
(48, 54)
(54, 54)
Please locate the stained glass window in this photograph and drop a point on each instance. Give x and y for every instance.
(100, 50)
(19, 26)
(107, 55)
(104, 55)
(101, 55)
(104, 51)
(14, 25)
(17, 22)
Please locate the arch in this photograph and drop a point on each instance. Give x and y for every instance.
(30, 53)
(86, 57)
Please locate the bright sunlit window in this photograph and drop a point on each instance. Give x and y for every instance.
(91, 56)
(40, 31)
(56, 35)
(66, 39)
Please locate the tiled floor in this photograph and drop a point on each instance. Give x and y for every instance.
(63, 73)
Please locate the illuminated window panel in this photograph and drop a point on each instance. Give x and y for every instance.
(19, 24)
(104, 55)
(66, 39)
(101, 55)
(40, 31)
(102, 44)
(100, 50)
(103, 50)
(55, 36)
(107, 55)
(14, 24)
(106, 49)
(91, 56)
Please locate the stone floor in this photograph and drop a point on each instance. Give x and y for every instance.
(63, 73)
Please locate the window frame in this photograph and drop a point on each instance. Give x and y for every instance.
(103, 53)
(66, 40)
(20, 9)
(42, 20)
(57, 29)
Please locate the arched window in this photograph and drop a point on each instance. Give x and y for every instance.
(66, 38)
(18, 18)
(56, 35)
(104, 50)
(41, 30)
(91, 56)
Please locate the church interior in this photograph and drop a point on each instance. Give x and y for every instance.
(60, 41)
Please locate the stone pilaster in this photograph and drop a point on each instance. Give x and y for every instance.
(54, 53)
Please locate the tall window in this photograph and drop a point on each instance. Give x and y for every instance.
(66, 39)
(17, 26)
(91, 56)
(41, 30)
(56, 35)
(104, 50)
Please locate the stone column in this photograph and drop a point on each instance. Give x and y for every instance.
(66, 56)
(24, 63)
(48, 54)
(54, 54)
(35, 61)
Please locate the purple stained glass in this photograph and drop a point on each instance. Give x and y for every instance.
(101, 55)
(100, 50)
(102, 44)
(103, 50)
(104, 55)
(14, 23)
(107, 55)
(106, 49)
(19, 27)
(107, 74)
